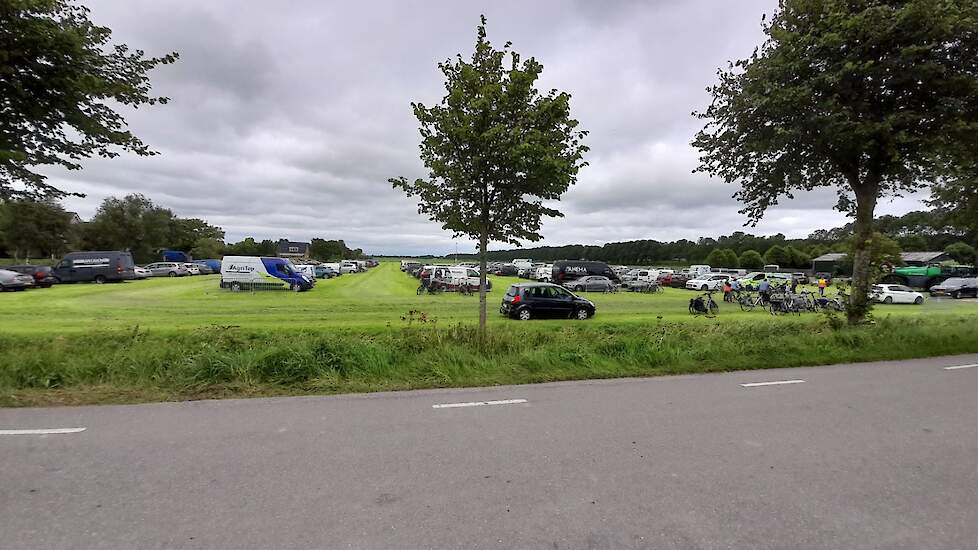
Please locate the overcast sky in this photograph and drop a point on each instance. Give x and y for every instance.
(287, 118)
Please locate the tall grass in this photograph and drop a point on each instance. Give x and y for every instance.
(140, 365)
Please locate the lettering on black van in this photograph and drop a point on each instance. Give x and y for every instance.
(90, 262)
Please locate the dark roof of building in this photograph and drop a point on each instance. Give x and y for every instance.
(830, 257)
(284, 247)
(921, 256)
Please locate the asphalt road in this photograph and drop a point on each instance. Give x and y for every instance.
(881, 455)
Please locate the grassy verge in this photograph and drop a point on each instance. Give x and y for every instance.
(113, 366)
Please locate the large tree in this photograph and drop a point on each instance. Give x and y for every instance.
(38, 228)
(498, 152)
(870, 97)
(60, 84)
(132, 223)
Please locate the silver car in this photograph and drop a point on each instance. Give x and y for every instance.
(167, 269)
(11, 280)
(591, 283)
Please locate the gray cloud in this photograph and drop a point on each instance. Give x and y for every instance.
(287, 119)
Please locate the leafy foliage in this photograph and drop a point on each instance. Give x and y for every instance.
(962, 252)
(751, 259)
(723, 257)
(498, 152)
(871, 98)
(34, 228)
(60, 79)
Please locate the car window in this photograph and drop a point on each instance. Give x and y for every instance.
(903, 289)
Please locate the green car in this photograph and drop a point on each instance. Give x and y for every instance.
(751, 280)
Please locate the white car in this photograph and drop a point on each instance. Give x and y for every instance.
(544, 273)
(142, 272)
(708, 281)
(896, 294)
(193, 269)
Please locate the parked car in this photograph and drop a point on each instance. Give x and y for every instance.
(349, 267)
(99, 266)
(679, 279)
(543, 274)
(43, 275)
(896, 294)
(564, 271)
(213, 264)
(802, 278)
(505, 270)
(142, 272)
(203, 268)
(696, 270)
(12, 280)
(527, 301)
(167, 269)
(192, 268)
(957, 287)
(260, 273)
(325, 272)
(307, 270)
(707, 281)
(590, 283)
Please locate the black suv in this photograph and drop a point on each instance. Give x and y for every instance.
(43, 274)
(524, 301)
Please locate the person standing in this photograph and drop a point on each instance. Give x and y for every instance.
(764, 289)
(822, 283)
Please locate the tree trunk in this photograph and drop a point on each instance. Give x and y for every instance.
(859, 304)
(483, 244)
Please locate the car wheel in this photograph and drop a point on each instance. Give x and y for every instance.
(173, 274)
(582, 314)
(919, 300)
(99, 279)
(524, 314)
(235, 287)
(704, 288)
(956, 295)
(888, 300)
(296, 287)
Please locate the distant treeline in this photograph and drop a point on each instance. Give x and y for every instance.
(915, 231)
(44, 229)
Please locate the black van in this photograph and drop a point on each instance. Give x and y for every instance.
(97, 266)
(569, 270)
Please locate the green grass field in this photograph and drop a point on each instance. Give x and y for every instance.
(163, 339)
(369, 300)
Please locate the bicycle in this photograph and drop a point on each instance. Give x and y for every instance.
(748, 301)
(705, 304)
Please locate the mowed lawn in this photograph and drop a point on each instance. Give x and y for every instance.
(381, 298)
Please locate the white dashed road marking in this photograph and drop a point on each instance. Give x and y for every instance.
(961, 367)
(478, 403)
(778, 383)
(50, 431)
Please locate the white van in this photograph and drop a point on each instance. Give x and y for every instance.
(255, 273)
(544, 273)
(699, 269)
(464, 276)
(522, 263)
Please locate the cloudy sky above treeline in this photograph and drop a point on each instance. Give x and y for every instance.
(287, 118)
